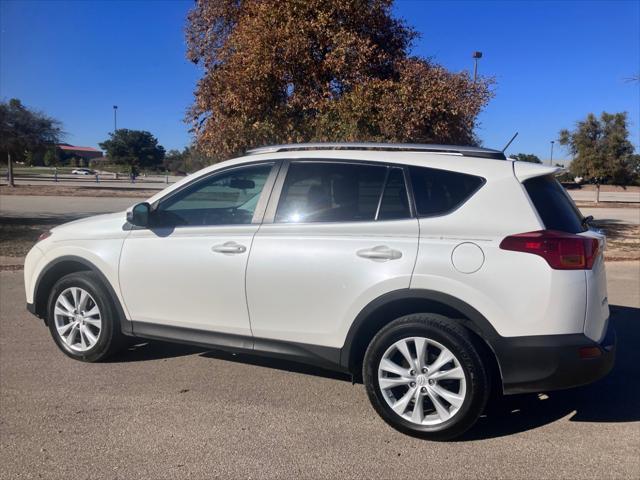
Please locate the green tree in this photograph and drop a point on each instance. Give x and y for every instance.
(33, 158)
(196, 159)
(174, 160)
(188, 160)
(23, 130)
(135, 148)
(601, 149)
(526, 157)
(634, 166)
(51, 158)
(278, 71)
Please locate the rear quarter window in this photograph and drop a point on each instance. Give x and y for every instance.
(438, 192)
(555, 208)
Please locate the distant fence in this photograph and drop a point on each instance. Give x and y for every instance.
(95, 179)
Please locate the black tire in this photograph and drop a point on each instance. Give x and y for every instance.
(450, 335)
(110, 338)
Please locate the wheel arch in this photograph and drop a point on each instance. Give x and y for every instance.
(65, 265)
(392, 305)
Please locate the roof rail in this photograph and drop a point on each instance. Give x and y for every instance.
(406, 147)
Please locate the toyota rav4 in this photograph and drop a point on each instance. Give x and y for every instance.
(434, 274)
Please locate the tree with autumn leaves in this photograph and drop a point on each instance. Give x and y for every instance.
(284, 71)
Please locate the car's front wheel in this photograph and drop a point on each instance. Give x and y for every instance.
(82, 319)
(425, 377)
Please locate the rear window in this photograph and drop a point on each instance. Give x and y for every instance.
(438, 192)
(555, 207)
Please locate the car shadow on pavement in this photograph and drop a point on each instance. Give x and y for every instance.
(615, 398)
(141, 350)
(278, 364)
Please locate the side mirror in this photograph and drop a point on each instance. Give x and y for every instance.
(140, 215)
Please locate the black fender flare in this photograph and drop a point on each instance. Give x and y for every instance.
(125, 324)
(470, 318)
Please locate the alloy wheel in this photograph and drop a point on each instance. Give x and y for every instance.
(77, 319)
(422, 381)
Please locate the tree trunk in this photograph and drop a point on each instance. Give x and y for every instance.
(10, 171)
(597, 193)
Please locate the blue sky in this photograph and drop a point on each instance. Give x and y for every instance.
(553, 62)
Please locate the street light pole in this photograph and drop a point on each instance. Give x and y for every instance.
(476, 57)
(551, 160)
(115, 119)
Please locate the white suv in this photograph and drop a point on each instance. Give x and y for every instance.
(432, 273)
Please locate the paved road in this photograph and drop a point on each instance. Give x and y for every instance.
(163, 411)
(614, 215)
(590, 196)
(48, 206)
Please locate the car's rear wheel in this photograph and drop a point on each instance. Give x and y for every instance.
(425, 377)
(82, 319)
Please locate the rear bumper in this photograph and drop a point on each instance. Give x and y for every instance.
(553, 362)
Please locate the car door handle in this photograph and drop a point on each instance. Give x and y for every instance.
(380, 252)
(229, 247)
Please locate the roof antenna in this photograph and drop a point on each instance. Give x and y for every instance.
(512, 139)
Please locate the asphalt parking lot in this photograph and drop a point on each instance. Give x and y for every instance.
(170, 411)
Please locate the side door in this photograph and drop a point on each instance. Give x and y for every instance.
(336, 235)
(188, 270)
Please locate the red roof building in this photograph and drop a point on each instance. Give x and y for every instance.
(87, 153)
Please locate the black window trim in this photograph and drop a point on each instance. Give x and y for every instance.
(276, 193)
(407, 190)
(381, 196)
(413, 209)
(261, 206)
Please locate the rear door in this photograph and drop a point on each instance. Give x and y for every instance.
(336, 236)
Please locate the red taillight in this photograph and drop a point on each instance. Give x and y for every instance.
(562, 251)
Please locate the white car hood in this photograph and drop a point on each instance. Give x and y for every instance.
(109, 225)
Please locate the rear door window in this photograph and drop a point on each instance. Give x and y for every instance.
(330, 192)
(438, 192)
(556, 209)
